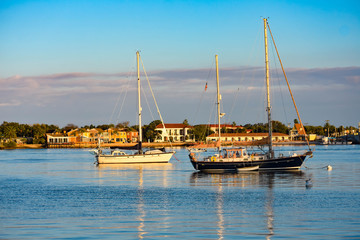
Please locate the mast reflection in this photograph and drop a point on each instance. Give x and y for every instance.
(150, 172)
(220, 212)
(265, 180)
(269, 211)
(140, 206)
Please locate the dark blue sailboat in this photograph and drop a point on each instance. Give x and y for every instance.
(237, 159)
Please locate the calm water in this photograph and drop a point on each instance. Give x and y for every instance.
(61, 194)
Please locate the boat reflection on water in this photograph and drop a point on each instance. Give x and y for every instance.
(220, 212)
(155, 173)
(140, 206)
(148, 166)
(251, 180)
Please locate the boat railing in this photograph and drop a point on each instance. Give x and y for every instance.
(292, 153)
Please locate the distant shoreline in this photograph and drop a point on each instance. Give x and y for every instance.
(145, 144)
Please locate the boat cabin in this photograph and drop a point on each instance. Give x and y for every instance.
(118, 153)
(234, 153)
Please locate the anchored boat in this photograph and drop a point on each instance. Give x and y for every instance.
(237, 159)
(138, 155)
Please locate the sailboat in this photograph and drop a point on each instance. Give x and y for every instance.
(238, 159)
(139, 156)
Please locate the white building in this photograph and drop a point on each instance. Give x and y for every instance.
(175, 132)
(241, 137)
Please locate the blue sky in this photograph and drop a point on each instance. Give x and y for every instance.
(69, 61)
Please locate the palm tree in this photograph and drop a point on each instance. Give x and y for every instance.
(9, 132)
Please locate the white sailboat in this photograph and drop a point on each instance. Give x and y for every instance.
(139, 156)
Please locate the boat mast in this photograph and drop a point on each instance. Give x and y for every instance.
(139, 100)
(218, 98)
(268, 108)
(287, 82)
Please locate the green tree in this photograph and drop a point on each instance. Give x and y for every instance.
(13, 127)
(105, 126)
(329, 129)
(240, 130)
(340, 129)
(39, 132)
(319, 130)
(124, 124)
(91, 126)
(69, 127)
(279, 127)
(201, 131)
(149, 132)
(9, 132)
(260, 128)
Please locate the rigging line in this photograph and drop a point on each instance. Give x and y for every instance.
(123, 102)
(129, 77)
(206, 130)
(198, 108)
(147, 103)
(261, 116)
(203, 92)
(144, 94)
(117, 102)
(213, 109)
(297, 112)
(278, 82)
(242, 79)
(157, 107)
(233, 103)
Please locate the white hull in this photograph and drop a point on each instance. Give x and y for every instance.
(138, 158)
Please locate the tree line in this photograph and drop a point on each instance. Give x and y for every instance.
(36, 133)
(201, 131)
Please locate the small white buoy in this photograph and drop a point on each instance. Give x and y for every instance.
(329, 168)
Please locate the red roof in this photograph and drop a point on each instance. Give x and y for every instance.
(301, 131)
(224, 125)
(248, 135)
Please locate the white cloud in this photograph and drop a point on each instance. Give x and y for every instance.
(177, 91)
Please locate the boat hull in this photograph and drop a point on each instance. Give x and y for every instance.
(283, 163)
(138, 158)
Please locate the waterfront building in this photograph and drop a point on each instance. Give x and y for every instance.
(114, 136)
(59, 138)
(298, 133)
(227, 127)
(245, 137)
(175, 132)
(91, 136)
(132, 136)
